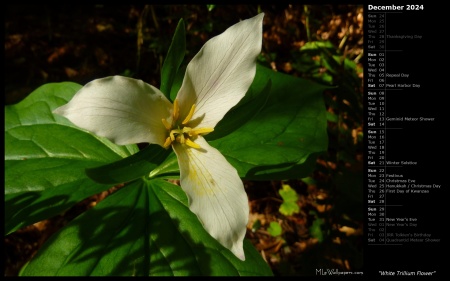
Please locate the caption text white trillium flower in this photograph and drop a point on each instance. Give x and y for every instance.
(128, 111)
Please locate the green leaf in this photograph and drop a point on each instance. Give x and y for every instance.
(173, 59)
(332, 117)
(316, 229)
(274, 229)
(46, 155)
(285, 136)
(309, 181)
(143, 229)
(290, 197)
(168, 169)
(256, 225)
(128, 169)
(246, 109)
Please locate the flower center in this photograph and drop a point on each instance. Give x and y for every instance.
(179, 132)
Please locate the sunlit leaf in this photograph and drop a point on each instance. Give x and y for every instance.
(274, 229)
(46, 155)
(290, 197)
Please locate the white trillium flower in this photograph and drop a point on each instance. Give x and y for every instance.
(129, 111)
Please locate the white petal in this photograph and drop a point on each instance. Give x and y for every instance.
(216, 194)
(122, 109)
(220, 74)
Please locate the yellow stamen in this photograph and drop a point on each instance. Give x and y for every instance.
(176, 110)
(167, 143)
(192, 144)
(172, 134)
(200, 131)
(182, 133)
(166, 124)
(189, 116)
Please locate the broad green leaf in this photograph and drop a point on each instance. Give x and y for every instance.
(290, 197)
(173, 59)
(143, 229)
(274, 229)
(46, 155)
(282, 140)
(246, 109)
(133, 167)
